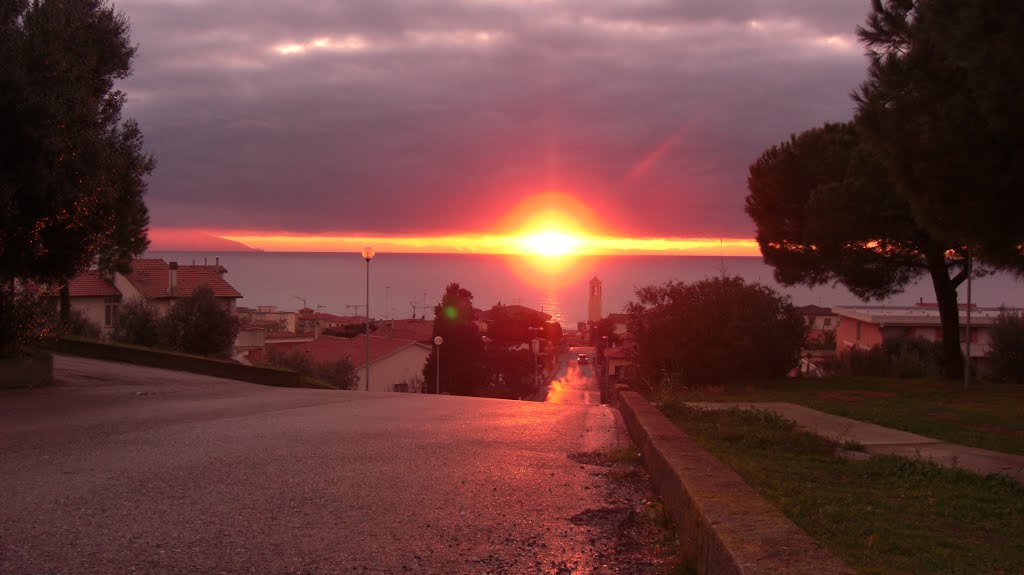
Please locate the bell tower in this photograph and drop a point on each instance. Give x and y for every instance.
(594, 300)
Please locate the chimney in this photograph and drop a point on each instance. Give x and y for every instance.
(217, 261)
(172, 279)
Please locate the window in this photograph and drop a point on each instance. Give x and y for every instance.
(828, 322)
(110, 315)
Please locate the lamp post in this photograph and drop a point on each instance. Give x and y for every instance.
(368, 254)
(438, 340)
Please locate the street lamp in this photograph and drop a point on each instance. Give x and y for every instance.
(368, 254)
(438, 340)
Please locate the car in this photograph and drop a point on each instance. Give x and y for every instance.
(583, 359)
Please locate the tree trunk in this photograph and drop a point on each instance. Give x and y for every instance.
(65, 305)
(949, 314)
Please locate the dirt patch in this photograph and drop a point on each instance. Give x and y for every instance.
(632, 533)
(854, 395)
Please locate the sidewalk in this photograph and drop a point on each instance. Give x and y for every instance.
(877, 439)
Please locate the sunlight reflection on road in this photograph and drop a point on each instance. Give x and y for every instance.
(577, 385)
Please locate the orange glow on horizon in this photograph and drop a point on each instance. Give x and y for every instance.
(511, 244)
(550, 230)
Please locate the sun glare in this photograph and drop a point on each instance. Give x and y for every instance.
(550, 243)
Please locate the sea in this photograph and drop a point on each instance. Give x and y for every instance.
(409, 285)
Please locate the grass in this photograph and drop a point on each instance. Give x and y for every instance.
(887, 515)
(988, 415)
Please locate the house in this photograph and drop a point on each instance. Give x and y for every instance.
(820, 322)
(98, 295)
(163, 283)
(309, 321)
(94, 296)
(619, 359)
(819, 319)
(268, 317)
(393, 362)
(864, 327)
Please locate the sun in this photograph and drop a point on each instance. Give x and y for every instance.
(550, 243)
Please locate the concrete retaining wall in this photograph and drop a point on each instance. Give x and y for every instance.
(724, 526)
(179, 362)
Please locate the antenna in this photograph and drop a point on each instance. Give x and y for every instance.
(319, 307)
(302, 299)
(355, 307)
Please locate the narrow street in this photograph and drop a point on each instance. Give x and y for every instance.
(575, 383)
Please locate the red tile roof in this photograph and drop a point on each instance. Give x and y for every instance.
(150, 277)
(331, 317)
(92, 283)
(412, 329)
(329, 348)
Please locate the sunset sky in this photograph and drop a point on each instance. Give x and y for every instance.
(446, 125)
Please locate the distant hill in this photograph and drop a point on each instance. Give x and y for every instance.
(178, 240)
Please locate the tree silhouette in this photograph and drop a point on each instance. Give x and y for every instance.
(826, 211)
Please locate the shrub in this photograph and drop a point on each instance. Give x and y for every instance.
(199, 324)
(137, 323)
(24, 315)
(294, 360)
(340, 373)
(1007, 347)
(81, 326)
(714, 331)
(904, 357)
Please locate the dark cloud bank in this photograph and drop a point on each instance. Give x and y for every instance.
(404, 116)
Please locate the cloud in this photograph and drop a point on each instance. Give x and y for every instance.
(396, 116)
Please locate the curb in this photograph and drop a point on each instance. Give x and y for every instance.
(724, 526)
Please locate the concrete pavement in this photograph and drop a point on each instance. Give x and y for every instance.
(128, 469)
(878, 439)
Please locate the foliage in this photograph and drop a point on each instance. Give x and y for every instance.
(887, 515)
(81, 326)
(511, 371)
(137, 323)
(511, 324)
(71, 169)
(463, 366)
(340, 374)
(200, 324)
(23, 317)
(942, 107)
(826, 211)
(1007, 348)
(827, 340)
(717, 330)
(292, 359)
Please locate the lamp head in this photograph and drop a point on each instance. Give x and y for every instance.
(438, 340)
(368, 253)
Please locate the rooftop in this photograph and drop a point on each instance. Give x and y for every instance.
(916, 315)
(329, 348)
(150, 276)
(92, 283)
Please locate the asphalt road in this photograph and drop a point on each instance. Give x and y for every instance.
(574, 384)
(124, 469)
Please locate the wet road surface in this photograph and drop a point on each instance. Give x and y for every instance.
(575, 384)
(125, 469)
